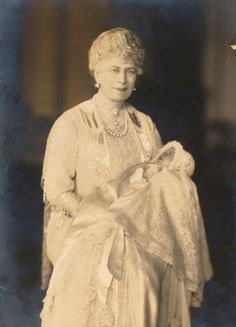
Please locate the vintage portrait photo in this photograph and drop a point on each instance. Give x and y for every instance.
(117, 163)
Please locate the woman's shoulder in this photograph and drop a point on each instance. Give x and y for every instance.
(72, 116)
(138, 117)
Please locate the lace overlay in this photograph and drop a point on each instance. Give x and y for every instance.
(146, 145)
(111, 156)
(99, 159)
(124, 152)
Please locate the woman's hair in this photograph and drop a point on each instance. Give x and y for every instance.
(117, 42)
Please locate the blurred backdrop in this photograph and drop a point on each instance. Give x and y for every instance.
(188, 88)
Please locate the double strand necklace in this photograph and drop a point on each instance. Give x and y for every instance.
(115, 112)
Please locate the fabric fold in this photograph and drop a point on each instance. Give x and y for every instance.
(111, 262)
(160, 214)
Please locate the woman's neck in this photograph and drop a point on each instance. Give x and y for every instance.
(103, 103)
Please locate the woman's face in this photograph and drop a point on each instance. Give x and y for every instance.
(116, 77)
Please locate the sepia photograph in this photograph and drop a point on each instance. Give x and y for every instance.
(117, 163)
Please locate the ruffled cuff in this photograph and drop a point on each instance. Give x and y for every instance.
(68, 203)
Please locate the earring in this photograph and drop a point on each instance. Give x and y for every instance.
(97, 85)
(134, 89)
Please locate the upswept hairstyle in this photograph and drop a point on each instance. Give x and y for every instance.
(117, 42)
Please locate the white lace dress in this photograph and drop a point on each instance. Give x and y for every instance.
(81, 292)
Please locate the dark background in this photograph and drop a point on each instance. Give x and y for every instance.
(189, 89)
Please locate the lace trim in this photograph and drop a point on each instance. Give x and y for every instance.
(68, 203)
(124, 152)
(99, 159)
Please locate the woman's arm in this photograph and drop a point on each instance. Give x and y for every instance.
(59, 169)
(156, 139)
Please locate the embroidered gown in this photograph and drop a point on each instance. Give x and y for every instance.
(81, 158)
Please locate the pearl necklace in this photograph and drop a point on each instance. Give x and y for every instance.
(115, 114)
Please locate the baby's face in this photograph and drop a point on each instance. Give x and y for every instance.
(166, 157)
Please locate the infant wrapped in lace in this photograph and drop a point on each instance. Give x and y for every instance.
(156, 204)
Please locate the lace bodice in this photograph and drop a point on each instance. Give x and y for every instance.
(124, 152)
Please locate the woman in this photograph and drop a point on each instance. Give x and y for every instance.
(125, 233)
